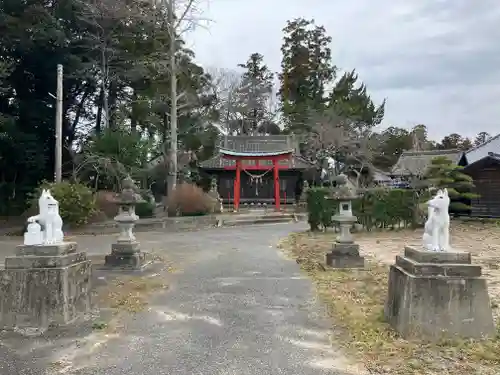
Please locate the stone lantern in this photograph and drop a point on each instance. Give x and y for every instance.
(125, 252)
(345, 253)
(214, 194)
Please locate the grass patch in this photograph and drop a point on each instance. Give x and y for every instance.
(355, 301)
(129, 293)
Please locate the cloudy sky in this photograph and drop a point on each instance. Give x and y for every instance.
(436, 61)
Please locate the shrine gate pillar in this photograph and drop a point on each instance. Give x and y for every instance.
(237, 185)
(276, 185)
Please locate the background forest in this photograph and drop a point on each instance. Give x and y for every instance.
(136, 102)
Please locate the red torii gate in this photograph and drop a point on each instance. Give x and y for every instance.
(275, 157)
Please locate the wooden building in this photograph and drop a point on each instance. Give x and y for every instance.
(483, 165)
(257, 169)
(486, 175)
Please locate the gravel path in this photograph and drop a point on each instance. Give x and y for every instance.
(235, 307)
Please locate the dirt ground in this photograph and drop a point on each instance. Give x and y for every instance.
(481, 240)
(354, 299)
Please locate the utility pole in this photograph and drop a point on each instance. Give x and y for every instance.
(172, 173)
(59, 118)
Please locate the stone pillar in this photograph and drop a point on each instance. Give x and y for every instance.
(126, 252)
(438, 295)
(44, 285)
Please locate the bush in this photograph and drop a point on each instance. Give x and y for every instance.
(376, 208)
(106, 203)
(145, 209)
(319, 208)
(387, 208)
(76, 202)
(188, 200)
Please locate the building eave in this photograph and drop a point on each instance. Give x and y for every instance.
(255, 154)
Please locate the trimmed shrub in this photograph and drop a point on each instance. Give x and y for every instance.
(76, 201)
(145, 209)
(376, 208)
(188, 200)
(319, 208)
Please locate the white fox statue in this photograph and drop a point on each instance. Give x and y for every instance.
(437, 227)
(46, 227)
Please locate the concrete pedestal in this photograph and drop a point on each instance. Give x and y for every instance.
(43, 286)
(345, 255)
(438, 295)
(126, 256)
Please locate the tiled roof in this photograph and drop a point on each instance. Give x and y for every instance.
(257, 146)
(218, 162)
(258, 143)
(491, 156)
(483, 150)
(416, 162)
(257, 154)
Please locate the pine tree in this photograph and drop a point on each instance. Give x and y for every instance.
(443, 173)
(350, 100)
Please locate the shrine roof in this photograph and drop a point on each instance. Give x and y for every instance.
(255, 154)
(218, 162)
(258, 146)
(258, 143)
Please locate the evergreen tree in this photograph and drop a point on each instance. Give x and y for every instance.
(307, 73)
(350, 100)
(481, 138)
(254, 94)
(443, 173)
(306, 70)
(455, 141)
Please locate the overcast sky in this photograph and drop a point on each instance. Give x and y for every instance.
(436, 61)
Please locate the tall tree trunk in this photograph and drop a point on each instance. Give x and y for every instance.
(172, 172)
(133, 114)
(72, 129)
(104, 84)
(100, 105)
(113, 98)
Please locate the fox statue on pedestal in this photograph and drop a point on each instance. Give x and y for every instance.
(46, 227)
(437, 227)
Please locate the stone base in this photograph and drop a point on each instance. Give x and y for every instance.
(438, 295)
(39, 291)
(126, 256)
(345, 255)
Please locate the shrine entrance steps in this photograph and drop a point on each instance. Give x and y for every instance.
(249, 217)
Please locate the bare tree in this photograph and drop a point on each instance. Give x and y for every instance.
(339, 145)
(327, 137)
(107, 21)
(360, 154)
(182, 16)
(225, 86)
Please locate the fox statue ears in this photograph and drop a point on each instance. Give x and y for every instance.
(442, 192)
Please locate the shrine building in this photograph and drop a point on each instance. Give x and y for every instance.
(257, 169)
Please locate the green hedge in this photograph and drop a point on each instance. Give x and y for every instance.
(377, 208)
(145, 209)
(319, 209)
